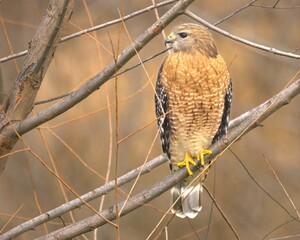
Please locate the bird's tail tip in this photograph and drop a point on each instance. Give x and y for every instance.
(186, 200)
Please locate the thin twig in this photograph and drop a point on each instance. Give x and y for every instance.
(54, 174)
(282, 186)
(212, 204)
(272, 7)
(261, 187)
(11, 218)
(97, 27)
(239, 39)
(195, 233)
(97, 81)
(76, 203)
(115, 75)
(26, 85)
(278, 227)
(36, 198)
(261, 113)
(267, 108)
(294, 236)
(116, 196)
(187, 236)
(235, 12)
(146, 159)
(105, 74)
(139, 175)
(69, 148)
(9, 42)
(157, 237)
(221, 212)
(275, 4)
(108, 168)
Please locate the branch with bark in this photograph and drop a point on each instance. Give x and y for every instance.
(97, 27)
(25, 88)
(241, 40)
(237, 128)
(13, 122)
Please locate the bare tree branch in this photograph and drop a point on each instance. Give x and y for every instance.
(25, 87)
(95, 28)
(105, 74)
(41, 50)
(239, 39)
(76, 203)
(17, 111)
(115, 75)
(250, 4)
(239, 127)
(20, 109)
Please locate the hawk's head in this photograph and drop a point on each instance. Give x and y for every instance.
(191, 37)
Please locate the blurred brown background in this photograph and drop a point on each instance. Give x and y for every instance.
(84, 131)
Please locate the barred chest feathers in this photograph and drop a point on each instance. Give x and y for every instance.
(196, 86)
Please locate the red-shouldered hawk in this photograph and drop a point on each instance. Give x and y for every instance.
(192, 100)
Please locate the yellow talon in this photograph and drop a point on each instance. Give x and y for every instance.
(186, 162)
(189, 160)
(200, 156)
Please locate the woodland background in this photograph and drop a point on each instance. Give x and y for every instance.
(80, 143)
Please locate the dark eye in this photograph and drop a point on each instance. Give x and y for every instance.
(182, 34)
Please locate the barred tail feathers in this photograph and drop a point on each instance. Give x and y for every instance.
(187, 200)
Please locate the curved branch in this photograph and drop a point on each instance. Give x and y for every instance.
(25, 88)
(239, 39)
(37, 61)
(115, 75)
(95, 28)
(76, 203)
(261, 113)
(10, 133)
(239, 126)
(97, 81)
(279, 100)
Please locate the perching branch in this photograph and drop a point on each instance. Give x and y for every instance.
(140, 63)
(260, 114)
(97, 81)
(11, 131)
(25, 87)
(238, 127)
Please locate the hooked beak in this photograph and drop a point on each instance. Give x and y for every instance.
(169, 39)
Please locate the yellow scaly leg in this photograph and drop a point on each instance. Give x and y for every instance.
(200, 156)
(186, 162)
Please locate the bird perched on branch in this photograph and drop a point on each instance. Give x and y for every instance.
(192, 101)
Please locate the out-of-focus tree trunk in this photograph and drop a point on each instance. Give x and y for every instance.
(19, 102)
